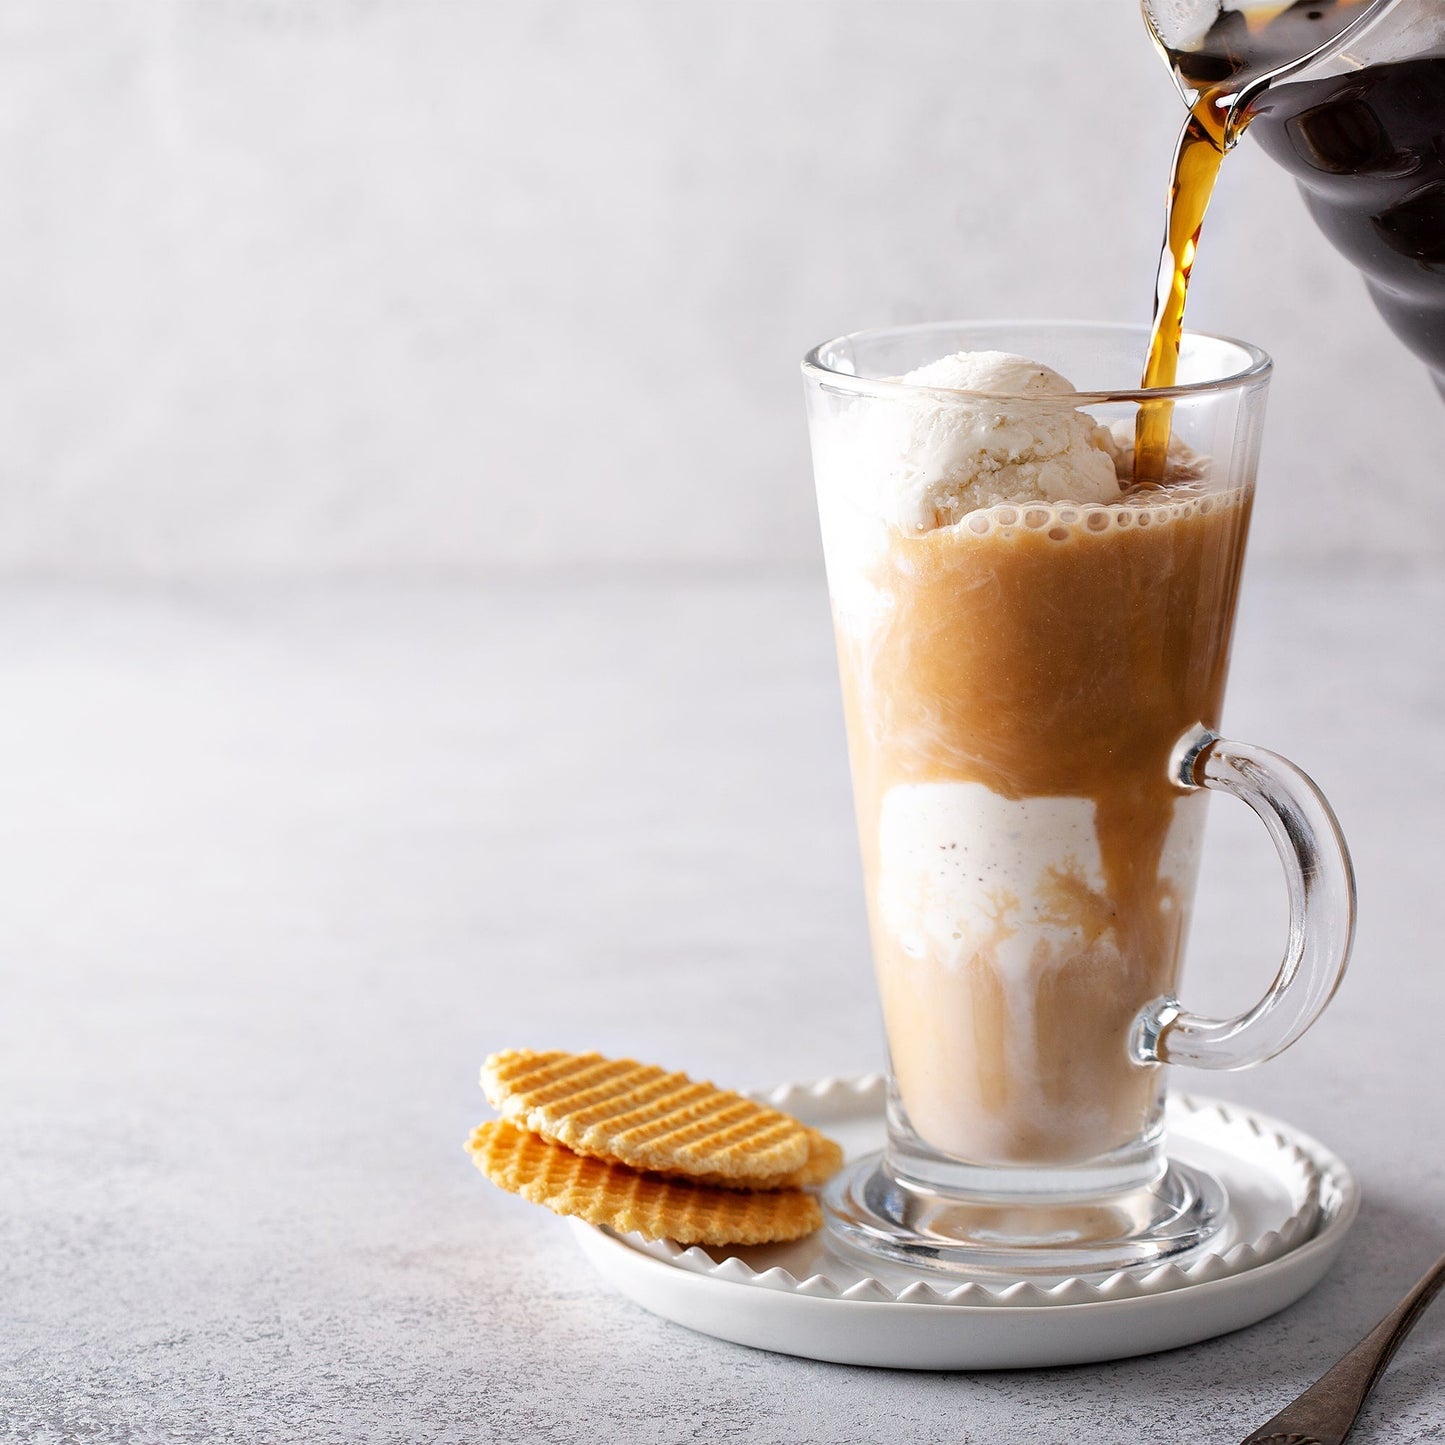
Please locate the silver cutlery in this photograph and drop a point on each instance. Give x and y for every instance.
(1325, 1412)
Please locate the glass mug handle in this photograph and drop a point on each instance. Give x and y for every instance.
(1321, 884)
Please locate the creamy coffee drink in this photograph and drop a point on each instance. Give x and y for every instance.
(1024, 637)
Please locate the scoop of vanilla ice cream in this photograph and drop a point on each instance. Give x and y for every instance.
(1015, 438)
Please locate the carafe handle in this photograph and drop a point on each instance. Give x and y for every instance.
(1321, 883)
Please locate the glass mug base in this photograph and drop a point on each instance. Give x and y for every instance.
(881, 1214)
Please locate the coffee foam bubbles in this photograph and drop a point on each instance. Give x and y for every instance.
(1152, 507)
(856, 542)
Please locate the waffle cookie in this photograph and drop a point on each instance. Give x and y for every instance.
(627, 1200)
(644, 1117)
(825, 1158)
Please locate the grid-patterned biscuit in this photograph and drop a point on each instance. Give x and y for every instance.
(628, 1200)
(645, 1117)
(825, 1158)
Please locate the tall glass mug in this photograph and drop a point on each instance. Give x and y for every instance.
(1033, 658)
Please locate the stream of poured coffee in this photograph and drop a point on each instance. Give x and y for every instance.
(1196, 167)
(1241, 46)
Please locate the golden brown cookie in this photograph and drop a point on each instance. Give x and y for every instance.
(629, 1200)
(825, 1158)
(644, 1117)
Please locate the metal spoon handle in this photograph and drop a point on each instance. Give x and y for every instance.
(1325, 1412)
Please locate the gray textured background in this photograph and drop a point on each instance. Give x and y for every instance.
(335, 286)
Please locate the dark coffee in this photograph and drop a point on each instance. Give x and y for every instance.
(1368, 150)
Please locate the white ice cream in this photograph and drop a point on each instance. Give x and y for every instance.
(1012, 436)
(965, 875)
(992, 429)
(961, 866)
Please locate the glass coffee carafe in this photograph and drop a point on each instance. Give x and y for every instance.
(1349, 97)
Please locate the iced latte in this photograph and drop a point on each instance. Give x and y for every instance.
(1024, 637)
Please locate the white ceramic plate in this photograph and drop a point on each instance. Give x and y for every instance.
(1291, 1202)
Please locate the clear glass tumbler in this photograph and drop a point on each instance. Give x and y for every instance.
(1033, 657)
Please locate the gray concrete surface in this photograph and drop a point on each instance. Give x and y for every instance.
(281, 867)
